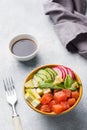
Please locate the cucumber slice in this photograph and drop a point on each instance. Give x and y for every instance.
(29, 84)
(35, 102)
(29, 97)
(32, 100)
(37, 78)
(47, 90)
(39, 91)
(34, 93)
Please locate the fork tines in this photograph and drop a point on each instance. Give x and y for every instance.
(9, 84)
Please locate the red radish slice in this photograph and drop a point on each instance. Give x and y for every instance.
(70, 72)
(65, 70)
(62, 70)
(59, 72)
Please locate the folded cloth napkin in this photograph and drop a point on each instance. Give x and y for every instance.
(70, 23)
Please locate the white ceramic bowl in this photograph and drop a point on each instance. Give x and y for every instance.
(21, 37)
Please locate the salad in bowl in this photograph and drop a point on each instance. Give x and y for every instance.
(52, 89)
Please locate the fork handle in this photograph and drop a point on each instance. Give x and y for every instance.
(17, 123)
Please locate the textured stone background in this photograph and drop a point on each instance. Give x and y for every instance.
(27, 17)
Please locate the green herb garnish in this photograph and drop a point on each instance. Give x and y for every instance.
(68, 83)
(45, 85)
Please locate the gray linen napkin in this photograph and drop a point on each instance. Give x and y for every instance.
(70, 23)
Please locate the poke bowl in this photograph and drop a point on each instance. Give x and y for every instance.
(52, 89)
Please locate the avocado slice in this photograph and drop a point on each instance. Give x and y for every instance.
(52, 75)
(37, 78)
(43, 71)
(44, 77)
(52, 72)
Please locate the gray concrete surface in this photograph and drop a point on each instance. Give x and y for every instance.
(27, 17)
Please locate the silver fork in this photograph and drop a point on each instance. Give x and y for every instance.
(12, 100)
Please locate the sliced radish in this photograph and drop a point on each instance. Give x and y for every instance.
(59, 72)
(70, 72)
(65, 70)
(62, 70)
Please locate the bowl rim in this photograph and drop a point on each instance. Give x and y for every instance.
(21, 37)
(52, 114)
